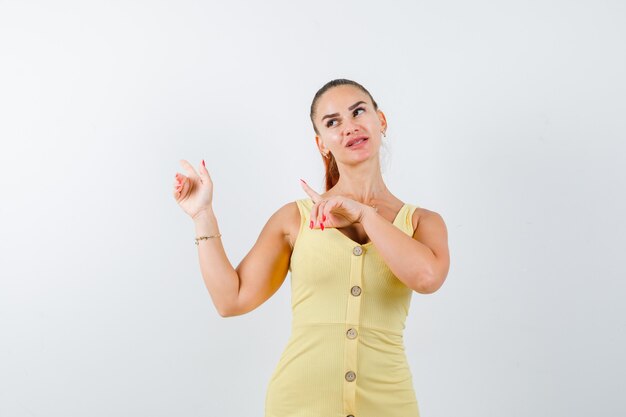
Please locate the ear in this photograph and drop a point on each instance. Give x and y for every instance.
(320, 144)
(383, 120)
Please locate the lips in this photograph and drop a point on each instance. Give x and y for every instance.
(354, 140)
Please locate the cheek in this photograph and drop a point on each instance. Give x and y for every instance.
(375, 120)
(332, 139)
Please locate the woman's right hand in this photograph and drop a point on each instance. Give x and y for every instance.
(193, 193)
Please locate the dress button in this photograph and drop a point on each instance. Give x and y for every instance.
(351, 333)
(350, 376)
(357, 250)
(356, 290)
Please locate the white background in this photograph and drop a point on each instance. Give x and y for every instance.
(507, 118)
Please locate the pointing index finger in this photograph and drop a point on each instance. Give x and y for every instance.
(310, 191)
(190, 170)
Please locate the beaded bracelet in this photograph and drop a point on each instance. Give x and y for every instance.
(207, 237)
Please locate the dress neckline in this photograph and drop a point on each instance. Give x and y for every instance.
(395, 219)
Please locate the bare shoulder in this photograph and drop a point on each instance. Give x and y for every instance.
(288, 216)
(430, 229)
(424, 218)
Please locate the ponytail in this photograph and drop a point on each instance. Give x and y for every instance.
(332, 171)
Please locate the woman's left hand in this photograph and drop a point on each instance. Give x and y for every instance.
(335, 211)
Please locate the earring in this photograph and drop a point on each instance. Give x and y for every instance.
(384, 135)
(326, 155)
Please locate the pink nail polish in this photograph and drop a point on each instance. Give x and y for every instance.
(322, 226)
(311, 225)
(324, 218)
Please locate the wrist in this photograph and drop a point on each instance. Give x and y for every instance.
(366, 213)
(203, 214)
(205, 223)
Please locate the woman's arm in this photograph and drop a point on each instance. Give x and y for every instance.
(260, 273)
(421, 262)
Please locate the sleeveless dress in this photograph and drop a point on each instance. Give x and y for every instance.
(345, 355)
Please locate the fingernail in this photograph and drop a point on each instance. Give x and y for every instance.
(203, 163)
(303, 181)
(324, 218)
(311, 225)
(322, 226)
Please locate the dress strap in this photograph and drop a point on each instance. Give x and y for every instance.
(305, 212)
(408, 220)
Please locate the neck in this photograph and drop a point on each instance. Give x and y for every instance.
(363, 182)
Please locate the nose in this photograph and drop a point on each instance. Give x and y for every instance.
(350, 128)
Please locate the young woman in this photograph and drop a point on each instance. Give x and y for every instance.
(356, 253)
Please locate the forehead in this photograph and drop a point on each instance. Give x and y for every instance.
(339, 98)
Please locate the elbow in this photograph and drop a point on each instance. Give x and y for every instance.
(427, 283)
(232, 311)
(227, 311)
(427, 289)
(228, 306)
(424, 288)
(223, 312)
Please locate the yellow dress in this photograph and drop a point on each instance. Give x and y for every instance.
(345, 356)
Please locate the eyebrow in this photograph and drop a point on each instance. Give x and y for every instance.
(349, 108)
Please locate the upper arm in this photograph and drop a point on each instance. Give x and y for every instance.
(432, 232)
(263, 270)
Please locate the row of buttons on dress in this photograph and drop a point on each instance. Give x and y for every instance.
(356, 290)
(352, 333)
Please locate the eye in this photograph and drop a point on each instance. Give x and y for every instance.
(330, 121)
(357, 109)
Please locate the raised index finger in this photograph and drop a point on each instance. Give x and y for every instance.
(310, 191)
(189, 168)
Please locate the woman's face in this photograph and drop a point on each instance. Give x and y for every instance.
(349, 126)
